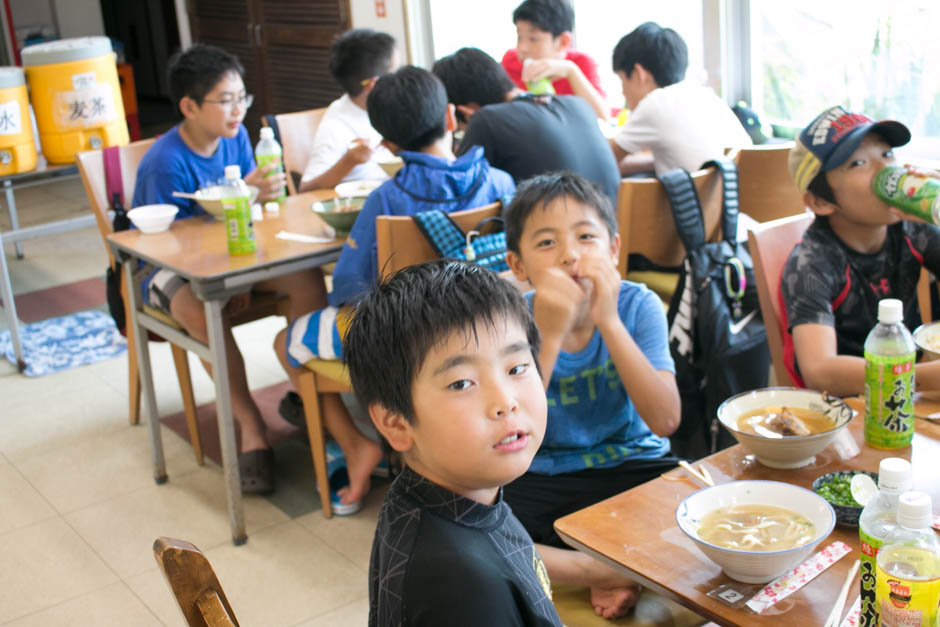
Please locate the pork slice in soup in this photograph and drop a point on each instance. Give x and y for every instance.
(775, 422)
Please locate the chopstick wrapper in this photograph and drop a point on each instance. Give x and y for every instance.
(851, 619)
(307, 239)
(787, 584)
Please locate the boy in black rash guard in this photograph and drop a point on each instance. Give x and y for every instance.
(444, 356)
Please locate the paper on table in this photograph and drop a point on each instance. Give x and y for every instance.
(784, 586)
(851, 619)
(307, 239)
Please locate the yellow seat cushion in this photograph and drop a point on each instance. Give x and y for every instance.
(163, 317)
(573, 604)
(331, 368)
(663, 283)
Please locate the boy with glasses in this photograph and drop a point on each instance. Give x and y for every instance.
(206, 85)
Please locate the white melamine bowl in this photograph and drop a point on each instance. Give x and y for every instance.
(789, 451)
(756, 566)
(153, 218)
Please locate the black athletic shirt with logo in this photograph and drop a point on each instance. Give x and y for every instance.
(441, 559)
(826, 282)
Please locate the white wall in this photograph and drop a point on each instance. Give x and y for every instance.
(363, 15)
(79, 18)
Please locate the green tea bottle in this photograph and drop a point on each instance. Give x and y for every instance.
(914, 195)
(889, 379)
(236, 202)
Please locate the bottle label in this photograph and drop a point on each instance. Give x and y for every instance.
(889, 404)
(915, 195)
(907, 602)
(239, 230)
(263, 160)
(867, 573)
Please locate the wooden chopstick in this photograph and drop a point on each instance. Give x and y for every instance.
(706, 474)
(836, 614)
(692, 471)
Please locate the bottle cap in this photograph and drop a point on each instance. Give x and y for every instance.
(915, 510)
(233, 171)
(272, 207)
(890, 310)
(894, 475)
(267, 132)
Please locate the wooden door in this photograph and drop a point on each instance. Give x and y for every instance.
(283, 45)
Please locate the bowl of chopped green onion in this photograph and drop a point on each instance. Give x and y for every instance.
(835, 487)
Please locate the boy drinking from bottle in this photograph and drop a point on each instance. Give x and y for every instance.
(857, 252)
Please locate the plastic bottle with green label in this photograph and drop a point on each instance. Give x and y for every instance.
(915, 195)
(907, 591)
(269, 151)
(540, 86)
(877, 520)
(236, 202)
(889, 379)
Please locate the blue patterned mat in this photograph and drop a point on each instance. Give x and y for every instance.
(56, 344)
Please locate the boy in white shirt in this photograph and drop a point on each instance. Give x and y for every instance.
(346, 147)
(681, 123)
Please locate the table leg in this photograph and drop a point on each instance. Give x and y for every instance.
(14, 219)
(6, 292)
(144, 371)
(223, 403)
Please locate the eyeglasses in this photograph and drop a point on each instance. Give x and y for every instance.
(243, 101)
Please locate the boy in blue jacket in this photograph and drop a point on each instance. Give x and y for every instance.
(409, 109)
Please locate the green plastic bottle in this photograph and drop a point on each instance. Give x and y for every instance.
(889, 379)
(915, 195)
(236, 202)
(269, 151)
(541, 86)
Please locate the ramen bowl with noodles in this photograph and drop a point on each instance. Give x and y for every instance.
(755, 530)
(784, 427)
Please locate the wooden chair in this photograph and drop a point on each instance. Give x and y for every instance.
(765, 190)
(769, 248)
(194, 584)
(295, 133)
(91, 168)
(400, 244)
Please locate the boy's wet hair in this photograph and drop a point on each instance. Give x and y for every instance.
(471, 75)
(408, 107)
(553, 16)
(397, 324)
(661, 51)
(196, 71)
(541, 190)
(359, 55)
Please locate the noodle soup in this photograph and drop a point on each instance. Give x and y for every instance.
(777, 422)
(756, 528)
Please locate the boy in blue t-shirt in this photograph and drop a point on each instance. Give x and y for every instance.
(605, 363)
(206, 84)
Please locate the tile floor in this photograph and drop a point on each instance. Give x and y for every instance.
(78, 506)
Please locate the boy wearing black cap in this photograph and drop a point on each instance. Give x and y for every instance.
(857, 252)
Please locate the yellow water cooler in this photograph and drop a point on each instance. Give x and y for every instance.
(76, 96)
(17, 145)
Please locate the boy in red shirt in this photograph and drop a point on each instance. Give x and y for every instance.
(544, 39)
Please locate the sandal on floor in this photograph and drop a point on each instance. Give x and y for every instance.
(339, 479)
(256, 469)
(291, 409)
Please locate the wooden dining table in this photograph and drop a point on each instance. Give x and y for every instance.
(636, 532)
(196, 249)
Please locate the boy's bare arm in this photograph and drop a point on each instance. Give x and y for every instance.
(360, 153)
(653, 392)
(821, 366)
(269, 187)
(580, 85)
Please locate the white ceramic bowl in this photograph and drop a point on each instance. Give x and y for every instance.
(357, 188)
(927, 337)
(392, 166)
(210, 199)
(756, 566)
(788, 451)
(153, 218)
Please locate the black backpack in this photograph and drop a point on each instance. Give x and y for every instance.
(716, 332)
(115, 188)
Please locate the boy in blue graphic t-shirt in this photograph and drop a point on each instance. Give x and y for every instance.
(609, 378)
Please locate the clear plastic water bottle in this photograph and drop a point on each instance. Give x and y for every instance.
(877, 520)
(236, 202)
(269, 151)
(889, 379)
(908, 581)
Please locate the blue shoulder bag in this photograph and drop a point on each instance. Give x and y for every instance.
(450, 241)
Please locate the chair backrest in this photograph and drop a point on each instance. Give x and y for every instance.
(91, 168)
(770, 246)
(194, 584)
(296, 131)
(765, 190)
(645, 219)
(401, 243)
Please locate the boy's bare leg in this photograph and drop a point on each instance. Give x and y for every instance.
(362, 454)
(612, 594)
(189, 311)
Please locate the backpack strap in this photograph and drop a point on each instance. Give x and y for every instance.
(440, 230)
(729, 202)
(686, 208)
